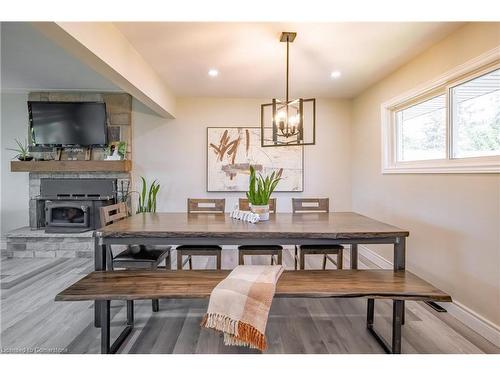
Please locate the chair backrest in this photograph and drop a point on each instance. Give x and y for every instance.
(310, 205)
(206, 206)
(244, 205)
(112, 213)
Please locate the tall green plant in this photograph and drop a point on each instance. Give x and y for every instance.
(147, 197)
(260, 188)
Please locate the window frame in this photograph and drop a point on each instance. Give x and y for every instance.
(470, 70)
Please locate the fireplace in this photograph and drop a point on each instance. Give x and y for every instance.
(72, 205)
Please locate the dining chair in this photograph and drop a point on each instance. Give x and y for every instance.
(318, 205)
(275, 251)
(134, 257)
(201, 207)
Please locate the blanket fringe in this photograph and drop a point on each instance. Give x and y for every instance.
(236, 333)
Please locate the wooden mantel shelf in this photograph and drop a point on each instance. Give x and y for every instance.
(71, 166)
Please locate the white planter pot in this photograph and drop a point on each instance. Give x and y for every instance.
(262, 211)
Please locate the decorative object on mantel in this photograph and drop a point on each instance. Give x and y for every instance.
(288, 122)
(147, 198)
(245, 216)
(231, 151)
(259, 192)
(116, 151)
(23, 153)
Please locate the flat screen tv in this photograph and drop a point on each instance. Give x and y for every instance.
(68, 123)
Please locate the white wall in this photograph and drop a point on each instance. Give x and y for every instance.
(174, 151)
(15, 189)
(453, 219)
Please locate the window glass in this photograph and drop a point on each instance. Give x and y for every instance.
(421, 130)
(476, 116)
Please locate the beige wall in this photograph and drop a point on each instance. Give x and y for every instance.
(454, 219)
(174, 151)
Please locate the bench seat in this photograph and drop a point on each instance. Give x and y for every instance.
(137, 285)
(130, 285)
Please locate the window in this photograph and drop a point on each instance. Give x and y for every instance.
(421, 130)
(476, 116)
(449, 125)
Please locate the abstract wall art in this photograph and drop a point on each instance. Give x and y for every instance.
(231, 151)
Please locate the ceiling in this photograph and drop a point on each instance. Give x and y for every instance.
(30, 61)
(249, 57)
(251, 60)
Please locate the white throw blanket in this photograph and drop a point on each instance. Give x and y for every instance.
(239, 305)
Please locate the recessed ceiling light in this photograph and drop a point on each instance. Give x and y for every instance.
(335, 74)
(213, 72)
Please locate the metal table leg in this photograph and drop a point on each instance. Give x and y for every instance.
(106, 348)
(354, 256)
(99, 265)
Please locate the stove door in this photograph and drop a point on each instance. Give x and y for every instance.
(67, 214)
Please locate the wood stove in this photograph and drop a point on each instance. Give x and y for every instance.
(72, 205)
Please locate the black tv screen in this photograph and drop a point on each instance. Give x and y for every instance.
(68, 123)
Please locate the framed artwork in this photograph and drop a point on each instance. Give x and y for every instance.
(231, 151)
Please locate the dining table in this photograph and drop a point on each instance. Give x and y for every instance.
(339, 228)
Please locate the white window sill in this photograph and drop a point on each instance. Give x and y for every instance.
(469, 165)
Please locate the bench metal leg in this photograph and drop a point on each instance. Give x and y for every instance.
(397, 317)
(130, 313)
(155, 305)
(97, 314)
(106, 348)
(105, 323)
(370, 312)
(403, 314)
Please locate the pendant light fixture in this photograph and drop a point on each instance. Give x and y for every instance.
(288, 122)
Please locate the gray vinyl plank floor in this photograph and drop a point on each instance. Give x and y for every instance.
(31, 321)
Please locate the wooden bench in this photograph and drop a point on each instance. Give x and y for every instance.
(104, 286)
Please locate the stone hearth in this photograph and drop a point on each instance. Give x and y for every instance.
(28, 243)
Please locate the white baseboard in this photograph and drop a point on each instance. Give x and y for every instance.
(479, 324)
(373, 257)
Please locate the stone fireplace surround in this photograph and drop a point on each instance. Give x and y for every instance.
(32, 241)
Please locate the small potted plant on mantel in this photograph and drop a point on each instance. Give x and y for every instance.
(23, 153)
(259, 192)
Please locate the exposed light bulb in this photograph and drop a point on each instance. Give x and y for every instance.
(281, 116)
(335, 74)
(213, 72)
(294, 120)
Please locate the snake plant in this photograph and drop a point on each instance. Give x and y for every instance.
(261, 188)
(147, 198)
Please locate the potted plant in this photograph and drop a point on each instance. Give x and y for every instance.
(147, 198)
(23, 153)
(259, 192)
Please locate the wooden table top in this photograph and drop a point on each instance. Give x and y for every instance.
(337, 225)
(113, 285)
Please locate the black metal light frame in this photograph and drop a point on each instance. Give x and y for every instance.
(298, 135)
